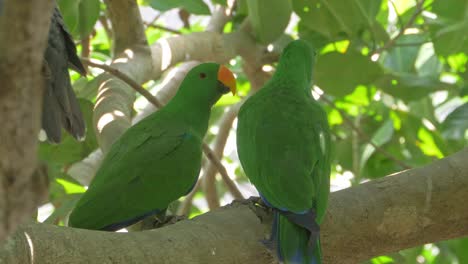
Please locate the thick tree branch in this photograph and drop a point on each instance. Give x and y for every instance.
(24, 26)
(410, 208)
(127, 24)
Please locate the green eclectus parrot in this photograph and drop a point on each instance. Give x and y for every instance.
(283, 142)
(157, 160)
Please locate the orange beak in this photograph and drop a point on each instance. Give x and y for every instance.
(226, 77)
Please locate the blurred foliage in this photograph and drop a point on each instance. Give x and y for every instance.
(395, 69)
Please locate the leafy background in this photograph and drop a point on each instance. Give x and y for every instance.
(392, 76)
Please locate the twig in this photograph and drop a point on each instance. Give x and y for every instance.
(355, 150)
(126, 79)
(209, 177)
(392, 42)
(349, 121)
(85, 47)
(152, 99)
(163, 28)
(184, 208)
(105, 25)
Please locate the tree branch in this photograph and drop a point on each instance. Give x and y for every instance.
(419, 8)
(127, 24)
(410, 208)
(24, 26)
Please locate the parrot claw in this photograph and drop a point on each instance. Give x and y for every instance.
(252, 200)
(271, 243)
(169, 220)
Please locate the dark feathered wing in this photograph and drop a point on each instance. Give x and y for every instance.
(60, 105)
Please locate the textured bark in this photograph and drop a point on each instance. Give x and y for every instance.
(23, 33)
(410, 208)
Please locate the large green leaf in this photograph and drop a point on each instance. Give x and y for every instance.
(456, 123)
(332, 18)
(338, 74)
(315, 38)
(80, 16)
(197, 7)
(269, 18)
(450, 28)
(410, 87)
(402, 59)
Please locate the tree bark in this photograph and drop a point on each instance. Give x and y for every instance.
(24, 26)
(407, 209)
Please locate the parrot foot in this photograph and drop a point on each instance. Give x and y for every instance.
(172, 219)
(258, 206)
(168, 220)
(252, 200)
(270, 244)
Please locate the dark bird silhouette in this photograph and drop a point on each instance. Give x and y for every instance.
(60, 105)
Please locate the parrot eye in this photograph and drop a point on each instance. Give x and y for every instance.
(202, 75)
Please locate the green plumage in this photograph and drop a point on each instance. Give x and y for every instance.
(155, 161)
(283, 142)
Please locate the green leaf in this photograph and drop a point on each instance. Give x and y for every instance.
(450, 27)
(401, 59)
(410, 87)
(269, 18)
(220, 2)
(333, 18)
(88, 16)
(464, 90)
(69, 11)
(315, 38)
(197, 7)
(455, 126)
(339, 74)
(80, 16)
(381, 136)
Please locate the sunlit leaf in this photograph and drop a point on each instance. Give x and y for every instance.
(70, 187)
(455, 126)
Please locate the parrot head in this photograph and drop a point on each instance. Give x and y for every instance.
(298, 56)
(206, 83)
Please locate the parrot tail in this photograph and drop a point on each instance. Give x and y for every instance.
(296, 237)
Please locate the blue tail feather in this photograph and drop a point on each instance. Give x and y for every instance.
(295, 244)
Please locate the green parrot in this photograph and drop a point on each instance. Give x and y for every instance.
(157, 160)
(283, 142)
